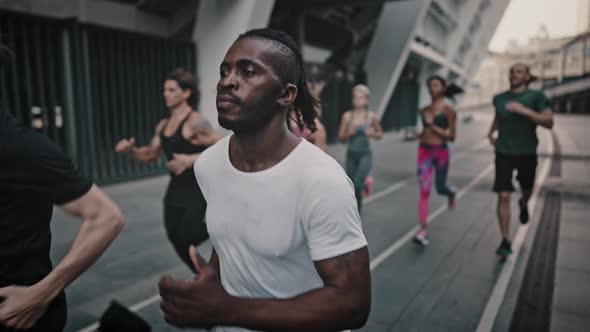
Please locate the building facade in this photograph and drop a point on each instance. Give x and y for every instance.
(89, 72)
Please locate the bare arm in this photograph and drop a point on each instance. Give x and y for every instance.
(493, 129)
(449, 133)
(343, 133)
(377, 131)
(543, 118)
(343, 303)
(147, 153)
(24, 305)
(102, 221)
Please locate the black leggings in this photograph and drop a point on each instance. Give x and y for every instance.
(184, 226)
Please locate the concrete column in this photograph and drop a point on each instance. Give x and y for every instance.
(389, 49)
(218, 25)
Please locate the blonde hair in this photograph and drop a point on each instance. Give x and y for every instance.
(362, 89)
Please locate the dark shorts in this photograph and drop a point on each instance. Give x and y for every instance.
(525, 166)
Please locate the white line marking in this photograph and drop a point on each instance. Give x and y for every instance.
(375, 196)
(90, 328)
(488, 318)
(408, 236)
(140, 305)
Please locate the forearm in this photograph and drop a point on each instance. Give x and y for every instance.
(544, 119)
(443, 133)
(322, 309)
(92, 240)
(193, 157)
(493, 127)
(376, 135)
(144, 153)
(343, 137)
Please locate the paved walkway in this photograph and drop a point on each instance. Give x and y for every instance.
(448, 286)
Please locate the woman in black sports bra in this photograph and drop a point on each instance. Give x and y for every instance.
(433, 153)
(181, 137)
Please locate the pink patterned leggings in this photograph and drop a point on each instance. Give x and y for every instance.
(432, 159)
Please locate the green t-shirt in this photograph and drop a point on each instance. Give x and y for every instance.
(517, 133)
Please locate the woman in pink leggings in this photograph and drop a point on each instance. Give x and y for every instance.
(433, 153)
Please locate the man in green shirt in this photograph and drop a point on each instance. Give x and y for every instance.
(518, 112)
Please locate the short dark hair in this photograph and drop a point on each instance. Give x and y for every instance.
(186, 80)
(287, 62)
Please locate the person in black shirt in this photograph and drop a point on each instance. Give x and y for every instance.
(181, 137)
(34, 175)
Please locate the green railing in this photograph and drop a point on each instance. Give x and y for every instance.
(86, 87)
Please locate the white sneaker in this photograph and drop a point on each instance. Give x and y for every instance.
(421, 239)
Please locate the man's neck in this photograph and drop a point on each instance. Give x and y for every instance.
(518, 90)
(257, 151)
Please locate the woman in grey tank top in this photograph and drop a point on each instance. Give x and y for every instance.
(357, 127)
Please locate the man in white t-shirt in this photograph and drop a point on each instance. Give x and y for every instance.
(289, 251)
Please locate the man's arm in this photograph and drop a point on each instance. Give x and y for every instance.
(493, 129)
(543, 118)
(342, 303)
(102, 221)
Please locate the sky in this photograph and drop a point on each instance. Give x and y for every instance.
(523, 18)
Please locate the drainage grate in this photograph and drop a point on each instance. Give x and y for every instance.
(533, 308)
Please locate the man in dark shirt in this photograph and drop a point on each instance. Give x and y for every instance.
(34, 175)
(518, 112)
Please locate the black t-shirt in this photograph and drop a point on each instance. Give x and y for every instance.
(35, 174)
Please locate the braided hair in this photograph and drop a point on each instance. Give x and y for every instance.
(287, 62)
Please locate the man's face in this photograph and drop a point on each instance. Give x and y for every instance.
(174, 95)
(248, 89)
(519, 75)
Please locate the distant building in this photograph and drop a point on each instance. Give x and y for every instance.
(583, 21)
(551, 59)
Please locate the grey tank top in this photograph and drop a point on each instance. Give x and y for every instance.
(359, 142)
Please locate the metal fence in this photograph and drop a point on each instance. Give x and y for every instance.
(86, 87)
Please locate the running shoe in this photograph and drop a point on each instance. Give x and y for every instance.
(421, 239)
(504, 249)
(452, 202)
(524, 212)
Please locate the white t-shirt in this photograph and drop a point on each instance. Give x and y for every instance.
(268, 227)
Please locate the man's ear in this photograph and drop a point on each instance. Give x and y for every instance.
(289, 95)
